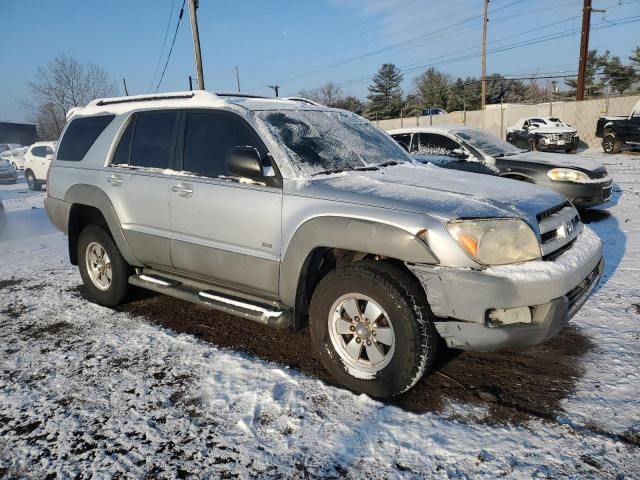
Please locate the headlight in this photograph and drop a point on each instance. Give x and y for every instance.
(567, 175)
(496, 242)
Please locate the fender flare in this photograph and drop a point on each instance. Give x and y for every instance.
(349, 234)
(523, 177)
(93, 196)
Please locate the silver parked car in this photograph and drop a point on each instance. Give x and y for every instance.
(291, 214)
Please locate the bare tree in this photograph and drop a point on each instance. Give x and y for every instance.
(60, 85)
(328, 94)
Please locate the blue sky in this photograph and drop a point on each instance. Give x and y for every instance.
(298, 44)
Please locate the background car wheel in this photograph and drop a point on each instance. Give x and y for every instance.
(104, 271)
(570, 150)
(32, 182)
(610, 144)
(371, 325)
(533, 145)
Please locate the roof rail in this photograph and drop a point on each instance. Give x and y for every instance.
(304, 100)
(239, 94)
(144, 98)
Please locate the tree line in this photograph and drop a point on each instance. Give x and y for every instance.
(434, 88)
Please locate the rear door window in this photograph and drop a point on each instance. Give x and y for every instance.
(80, 135)
(154, 139)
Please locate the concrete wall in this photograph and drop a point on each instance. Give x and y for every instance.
(581, 115)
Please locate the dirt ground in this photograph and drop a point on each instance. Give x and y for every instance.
(517, 385)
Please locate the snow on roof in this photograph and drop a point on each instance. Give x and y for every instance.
(190, 99)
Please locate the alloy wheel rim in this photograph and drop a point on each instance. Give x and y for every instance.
(361, 333)
(99, 266)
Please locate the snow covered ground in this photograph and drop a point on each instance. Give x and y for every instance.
(90, 392)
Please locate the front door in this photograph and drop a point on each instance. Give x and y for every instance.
(224, 229)
(137, 183)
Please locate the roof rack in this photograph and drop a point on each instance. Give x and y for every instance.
(238, 94)
(142, 98)
(303, 100)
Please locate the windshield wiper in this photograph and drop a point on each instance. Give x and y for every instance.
(388, 164)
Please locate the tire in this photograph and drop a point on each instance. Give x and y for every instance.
(570, 150)
(103, 292)
(610, 144)
(533, 145)
(34, 184)
(403, 307)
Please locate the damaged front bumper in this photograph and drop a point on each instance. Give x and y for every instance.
(512, 305)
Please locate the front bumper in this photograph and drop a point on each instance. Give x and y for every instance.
(549, 144)
(582, 195)
(553, 291)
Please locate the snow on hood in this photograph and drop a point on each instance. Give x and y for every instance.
(553, 129)
(557, 160)
(434, 191)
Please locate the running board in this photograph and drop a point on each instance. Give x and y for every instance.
(261, 313)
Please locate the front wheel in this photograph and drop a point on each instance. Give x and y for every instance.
(533, 145)
(610, 144)
(104, 271)
(372, 328)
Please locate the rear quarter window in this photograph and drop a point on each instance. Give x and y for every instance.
(80, 136)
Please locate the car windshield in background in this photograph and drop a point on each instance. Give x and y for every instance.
(327, 141)
(486, 143)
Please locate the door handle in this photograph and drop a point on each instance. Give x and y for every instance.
(183, 190)
(114, 180)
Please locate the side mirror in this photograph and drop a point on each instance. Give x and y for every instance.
(244, 162)
(459, 154)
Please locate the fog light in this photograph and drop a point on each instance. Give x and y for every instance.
(508, 316)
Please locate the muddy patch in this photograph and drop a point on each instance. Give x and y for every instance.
(15, 310)
(10, 284)
(513, 386)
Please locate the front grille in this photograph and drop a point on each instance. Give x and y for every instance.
(575, 295)
(547, 213)
(559, 227)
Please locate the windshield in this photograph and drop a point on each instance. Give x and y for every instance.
(326, 141)
(487, 143)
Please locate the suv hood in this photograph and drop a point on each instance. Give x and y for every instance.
(430, 190)
(557, 160)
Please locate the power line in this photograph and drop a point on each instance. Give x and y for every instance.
(164, 43)
(173, 42)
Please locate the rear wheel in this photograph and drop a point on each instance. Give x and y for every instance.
(570, 150)
(104, 271)
(372, 328)
(610, 144)
(34, 184)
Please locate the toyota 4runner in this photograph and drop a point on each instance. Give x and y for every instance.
(291, 214)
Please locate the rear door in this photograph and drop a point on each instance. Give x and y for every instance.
(137, 183)
(225, 229)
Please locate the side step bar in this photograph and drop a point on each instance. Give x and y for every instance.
(261, 313)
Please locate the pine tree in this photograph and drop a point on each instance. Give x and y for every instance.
(433, 89)
(593, 84)
(619, 76)
(385, 94)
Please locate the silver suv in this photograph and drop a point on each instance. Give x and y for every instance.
(291, 214)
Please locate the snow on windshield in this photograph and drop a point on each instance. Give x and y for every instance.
(486, 143)
(319, 140)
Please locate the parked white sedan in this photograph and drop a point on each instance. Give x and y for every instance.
(36, 163)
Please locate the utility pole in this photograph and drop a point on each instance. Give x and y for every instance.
(485, 20)
(126, 91)
(193, 6)
(584, 47)
(238, 78)
(276, 88)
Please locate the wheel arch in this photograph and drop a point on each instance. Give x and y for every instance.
(521, 177)
(321, 244)
(90, 205)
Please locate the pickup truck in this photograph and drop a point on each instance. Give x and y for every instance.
(618, 131)
(295, 215)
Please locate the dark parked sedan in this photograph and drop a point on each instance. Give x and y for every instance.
(584, 181)
(8, 174)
